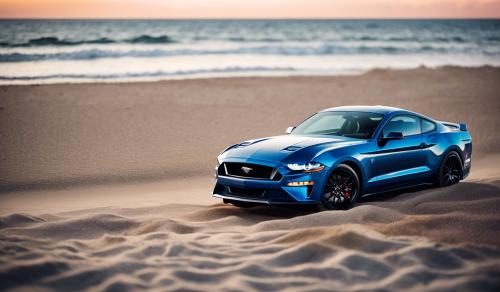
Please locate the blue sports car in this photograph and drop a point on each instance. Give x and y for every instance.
(340, 154)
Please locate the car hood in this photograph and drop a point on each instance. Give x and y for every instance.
(278, 148)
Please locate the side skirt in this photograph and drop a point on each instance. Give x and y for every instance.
(397, 189)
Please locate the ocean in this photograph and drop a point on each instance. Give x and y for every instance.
(62, 51)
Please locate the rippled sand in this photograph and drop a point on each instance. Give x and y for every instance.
(433, 239)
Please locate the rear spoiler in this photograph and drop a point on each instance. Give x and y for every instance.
(454, 126)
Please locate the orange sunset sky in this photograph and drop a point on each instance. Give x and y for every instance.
(249, 8)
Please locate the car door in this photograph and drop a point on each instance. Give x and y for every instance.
(402, 161)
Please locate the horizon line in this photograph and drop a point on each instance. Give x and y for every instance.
(252, 18)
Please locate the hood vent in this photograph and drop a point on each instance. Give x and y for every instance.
(250, 142)
(292, 148)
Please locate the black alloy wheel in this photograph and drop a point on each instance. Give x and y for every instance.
(451, 170)
(341, 189)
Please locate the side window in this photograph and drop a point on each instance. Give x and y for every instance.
(407, 125)
(427, 126)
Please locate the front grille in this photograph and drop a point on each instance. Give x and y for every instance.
(248, 170)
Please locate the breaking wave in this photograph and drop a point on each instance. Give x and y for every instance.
(54, 41)
(235, 69)
(286, 50)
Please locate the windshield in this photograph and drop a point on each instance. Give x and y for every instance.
(349, 124)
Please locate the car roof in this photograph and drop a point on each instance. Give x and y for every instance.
(379, 109)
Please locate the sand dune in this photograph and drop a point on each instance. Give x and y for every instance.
(105, 187)
(440, 239)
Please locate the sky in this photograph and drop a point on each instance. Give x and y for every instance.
(249, 8)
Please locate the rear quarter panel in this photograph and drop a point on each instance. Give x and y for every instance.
(458, 141)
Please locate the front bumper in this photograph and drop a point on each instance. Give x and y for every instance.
(248, 200)
(269, 191)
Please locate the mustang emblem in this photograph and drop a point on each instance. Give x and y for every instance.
(246, 169)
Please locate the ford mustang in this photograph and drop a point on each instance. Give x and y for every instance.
(340, 154)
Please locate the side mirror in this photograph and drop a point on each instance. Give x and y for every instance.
(289, 130)
(393, 136)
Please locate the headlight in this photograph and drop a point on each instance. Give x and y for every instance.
(309, 167)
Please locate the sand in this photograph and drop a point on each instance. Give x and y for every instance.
(106, 187)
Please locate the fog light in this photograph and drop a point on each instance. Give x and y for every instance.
(300, 183)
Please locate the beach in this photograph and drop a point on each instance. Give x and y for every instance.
(107, 186)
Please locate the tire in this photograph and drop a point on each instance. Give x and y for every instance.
(342, 189)
(239, 204)
(450, 171)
